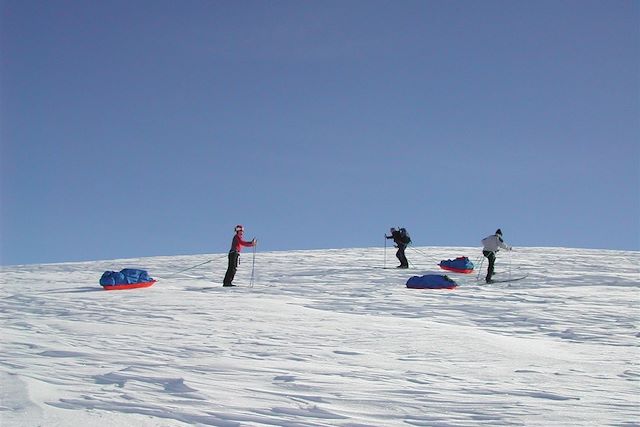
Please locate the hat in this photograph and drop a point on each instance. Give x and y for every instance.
(499, 232)
(239, 228)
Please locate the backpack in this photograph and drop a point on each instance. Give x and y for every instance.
(404, 236)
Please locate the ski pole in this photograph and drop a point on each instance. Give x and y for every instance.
(480, 268)
(385, 251)
(478, 263)
(253, 265)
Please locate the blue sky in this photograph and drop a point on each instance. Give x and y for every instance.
(142, 128)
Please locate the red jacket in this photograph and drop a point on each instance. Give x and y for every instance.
(237, 243)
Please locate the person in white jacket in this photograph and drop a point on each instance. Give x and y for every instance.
(491, 245)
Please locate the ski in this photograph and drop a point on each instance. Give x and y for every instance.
(515, 279)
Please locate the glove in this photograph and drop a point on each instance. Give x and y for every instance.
(254, 241)
(510, 248)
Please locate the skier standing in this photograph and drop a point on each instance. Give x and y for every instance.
(234, 254)
(401, 239)
(491, 245)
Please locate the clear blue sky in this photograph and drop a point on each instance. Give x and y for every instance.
(152, 127)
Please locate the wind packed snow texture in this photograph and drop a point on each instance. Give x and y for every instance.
(324, 338)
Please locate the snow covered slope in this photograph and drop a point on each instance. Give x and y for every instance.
(324, 338)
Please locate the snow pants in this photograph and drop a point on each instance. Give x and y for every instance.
(401, 256)
(234, 260)
(491, 256)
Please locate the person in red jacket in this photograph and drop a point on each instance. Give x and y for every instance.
(234, 255)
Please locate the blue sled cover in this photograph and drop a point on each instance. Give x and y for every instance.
(458, 265)
(431, 281)
(126, 276)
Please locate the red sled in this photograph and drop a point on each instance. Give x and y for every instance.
(457, 270)
(128, 286)
(458, 265)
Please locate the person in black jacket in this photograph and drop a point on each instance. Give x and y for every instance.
(401, 239)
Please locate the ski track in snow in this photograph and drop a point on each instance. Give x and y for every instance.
(324, 338)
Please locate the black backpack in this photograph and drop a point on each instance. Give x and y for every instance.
(404, 236)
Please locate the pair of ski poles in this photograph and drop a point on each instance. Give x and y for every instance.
(481, 261)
